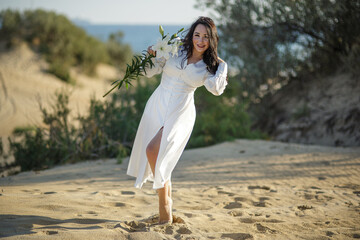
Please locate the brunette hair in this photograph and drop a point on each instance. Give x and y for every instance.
(210, 56)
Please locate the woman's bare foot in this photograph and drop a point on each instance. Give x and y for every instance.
(165, 215)
(165, 204)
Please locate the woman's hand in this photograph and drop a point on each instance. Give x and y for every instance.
(150, 51)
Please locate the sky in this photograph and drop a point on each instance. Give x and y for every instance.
(117, 11)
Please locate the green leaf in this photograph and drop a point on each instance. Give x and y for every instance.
(121, 83)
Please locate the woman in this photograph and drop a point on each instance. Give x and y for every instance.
(169, 115)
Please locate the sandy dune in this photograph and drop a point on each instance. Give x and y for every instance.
(24, 81)
(235, 190)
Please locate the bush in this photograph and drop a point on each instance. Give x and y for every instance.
(107, 131)
(32, 152)
(119, 52)
(221, 118)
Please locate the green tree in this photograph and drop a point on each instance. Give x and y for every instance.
(273, 41)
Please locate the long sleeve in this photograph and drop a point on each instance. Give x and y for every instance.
(216, 83)
(159, 64)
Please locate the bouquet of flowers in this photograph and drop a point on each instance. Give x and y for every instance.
(164, 47)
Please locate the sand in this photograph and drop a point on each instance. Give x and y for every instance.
(235, 190)
(24, 81)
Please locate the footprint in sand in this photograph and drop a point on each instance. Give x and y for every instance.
(133, 226)
(167, 229)
(237, 236)
(273, 221)
(183, 230)
(356, 235)
(189, 215)
(233, 205)
(261, 202)
(127, 193)
(105, 194)
(241, 199)
(49, 192)
(117, 204)
(151, 224)
(247, 220)
(91, 212)
(235, 213)
(264, 229)
(259, 187)
(227, 193)
(170, 229)
(88, 221)
(49, 232)
(211, 218)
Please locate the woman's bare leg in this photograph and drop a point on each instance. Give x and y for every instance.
(165, 202)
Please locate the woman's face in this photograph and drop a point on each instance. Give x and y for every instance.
(200, 39)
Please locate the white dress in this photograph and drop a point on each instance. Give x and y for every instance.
(171, 106)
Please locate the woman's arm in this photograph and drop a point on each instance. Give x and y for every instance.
(216, 83)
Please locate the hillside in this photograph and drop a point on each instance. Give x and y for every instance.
(323, 111)
(24, 81)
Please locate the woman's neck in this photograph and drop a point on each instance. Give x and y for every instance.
(196, 55)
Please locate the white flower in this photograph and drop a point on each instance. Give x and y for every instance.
(162, 48)
(175, 46)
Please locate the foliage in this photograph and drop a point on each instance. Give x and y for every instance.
(63, 44)
(220, 119)
(119, 52)
(272, 42)
(107, 130)
(20, 130)
(1, 147)
(301, 111)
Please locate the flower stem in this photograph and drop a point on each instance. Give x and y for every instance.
(137, 68)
